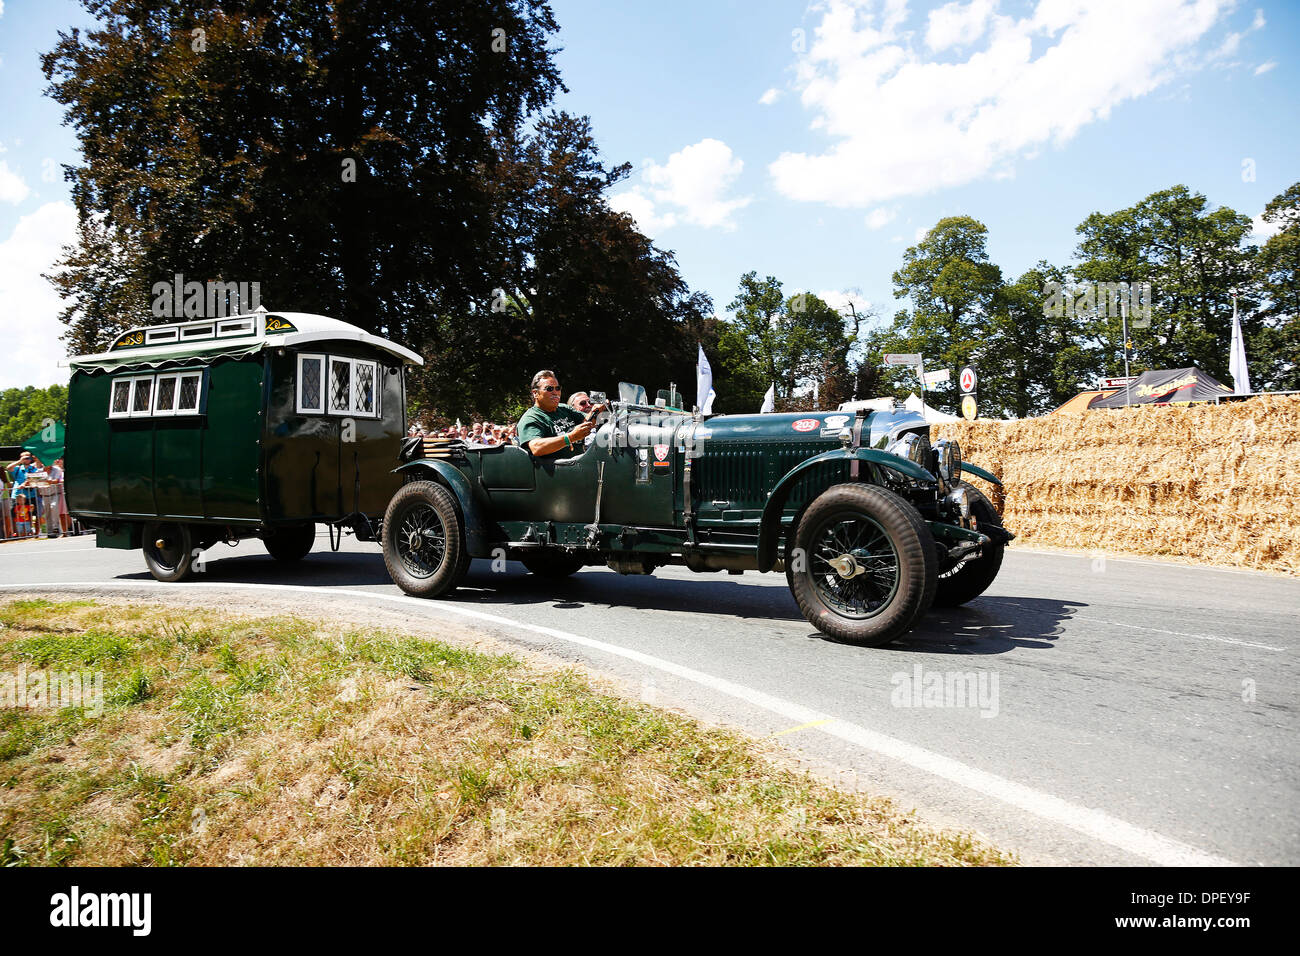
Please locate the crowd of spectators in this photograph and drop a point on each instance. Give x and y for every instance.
(475, 433)
(32, 503)
(488, 433)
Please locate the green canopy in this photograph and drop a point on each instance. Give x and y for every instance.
(46, 450)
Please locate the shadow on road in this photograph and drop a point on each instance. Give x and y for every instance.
(991, 624)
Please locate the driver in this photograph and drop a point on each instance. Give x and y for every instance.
(550, 428)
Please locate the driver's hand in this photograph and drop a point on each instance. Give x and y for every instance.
(581, 432)
(602, 407)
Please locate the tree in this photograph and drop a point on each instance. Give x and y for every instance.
(953, 288)
(25, 411)
(773, 340)
(1194, 258)
(1274, 351)
(331, 152)
(576, 287)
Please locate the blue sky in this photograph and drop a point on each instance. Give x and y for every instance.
(815, 142)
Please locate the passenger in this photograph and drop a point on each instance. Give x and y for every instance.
(551, 429)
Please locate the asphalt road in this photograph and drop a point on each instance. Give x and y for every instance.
(1083, 711)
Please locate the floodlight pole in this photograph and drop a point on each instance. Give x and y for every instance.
(1123, 318)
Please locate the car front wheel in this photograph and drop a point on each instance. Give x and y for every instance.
(972, 577)
(424, 542)
(863, 565)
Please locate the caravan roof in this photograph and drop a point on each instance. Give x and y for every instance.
(236, 335)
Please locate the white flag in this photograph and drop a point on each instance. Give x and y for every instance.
(1237, 356)
(703, 381)
(769, 401)
(708, 403)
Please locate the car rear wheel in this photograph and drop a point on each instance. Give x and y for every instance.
(863, 567)
(972, 577)
(551, 564)
(168, 550)
(424, 541)
(291, 543)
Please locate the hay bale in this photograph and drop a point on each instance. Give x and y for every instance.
(1215, 483)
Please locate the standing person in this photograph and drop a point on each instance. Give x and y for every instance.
(6, 505)
(27, 497)
(551, 428)
(56, 516)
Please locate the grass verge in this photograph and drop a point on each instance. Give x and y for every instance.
(274, 740)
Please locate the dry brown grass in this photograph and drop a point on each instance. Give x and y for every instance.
(280, 741)
(1213, 483)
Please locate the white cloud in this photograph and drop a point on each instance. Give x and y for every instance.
(770, 97)
(841, 300)
(1265, 67)
(690, 187)
(902, 125)
(29, 303)
(642, 209)
(12, 187)
(879, 218)
(1262, 231)
(920, 233)
(957, 24)
(1259, 21)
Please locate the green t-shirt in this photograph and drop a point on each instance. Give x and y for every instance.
(537, 424)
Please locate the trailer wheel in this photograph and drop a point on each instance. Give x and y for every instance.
(972, 577)
(168, 550)
(863, 568)
(290, 543)
(424, 540)
(551, 565)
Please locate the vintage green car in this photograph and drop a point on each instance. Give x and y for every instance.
(870, 523)
(186, 434)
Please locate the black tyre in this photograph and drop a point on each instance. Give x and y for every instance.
(168, 550)
(863, 568)
(972, 577)
(424, 540)
(551, 564)
(291, 543)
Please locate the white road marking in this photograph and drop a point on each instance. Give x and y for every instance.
(1203, 637)
(1096, 824)
(42, 554)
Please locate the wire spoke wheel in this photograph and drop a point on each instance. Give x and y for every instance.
(854, 565)
(863, 564)
(424, 540)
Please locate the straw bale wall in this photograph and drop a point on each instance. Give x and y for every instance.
(1214, 483)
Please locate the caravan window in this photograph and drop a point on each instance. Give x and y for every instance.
(149, 396)
(335, 385)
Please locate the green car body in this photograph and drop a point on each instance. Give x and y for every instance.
(729, 493)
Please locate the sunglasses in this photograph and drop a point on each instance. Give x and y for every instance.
(584, 404)
(547, 388)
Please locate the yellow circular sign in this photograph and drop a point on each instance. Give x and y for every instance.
(968, 408)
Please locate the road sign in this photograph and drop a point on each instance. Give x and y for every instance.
(937, 377)
(967, 380)
(902, 358)
(968, 408)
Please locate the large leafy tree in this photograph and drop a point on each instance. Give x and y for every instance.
(332, 152)
(1194, 258)
(953, 290)
(771, 339)
(1274, 352)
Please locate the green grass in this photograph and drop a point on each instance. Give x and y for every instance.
(227, 739)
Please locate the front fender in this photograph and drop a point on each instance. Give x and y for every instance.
(478, 540)
(769, 531)
(979, 473)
